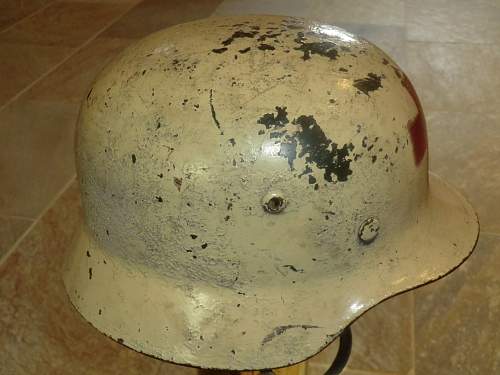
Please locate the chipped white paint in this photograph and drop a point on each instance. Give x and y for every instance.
(180, 140)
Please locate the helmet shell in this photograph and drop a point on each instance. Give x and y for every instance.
(250, 186)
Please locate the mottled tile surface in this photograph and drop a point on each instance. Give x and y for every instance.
(456, 318)
(11, 11)
(71, 80)
(382, 12)
(64, 23)
(455, 77)
(153, 15)
(382, 338)
(454, 21)
(36, 157)
(11, 228)
(465, 149)
(21, 64)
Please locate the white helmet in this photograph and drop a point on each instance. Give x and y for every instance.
(251, 185)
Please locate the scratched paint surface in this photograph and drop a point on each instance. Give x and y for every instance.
(179, 141)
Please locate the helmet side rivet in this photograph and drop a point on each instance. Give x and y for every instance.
(368, 230)
(274, 202)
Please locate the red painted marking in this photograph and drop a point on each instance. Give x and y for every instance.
(416, 127)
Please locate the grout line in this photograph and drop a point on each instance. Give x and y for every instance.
(29, 15)
(36, 221)
(18, 217)
(69, 56)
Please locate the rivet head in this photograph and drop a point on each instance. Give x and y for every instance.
(368, 230)
(274, 202)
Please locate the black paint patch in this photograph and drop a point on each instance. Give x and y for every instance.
(265, 47)
(288, 149)
(244, 50)
(90, 273)
(325, 49)
(322, 151)
(232, 141)
(269, 120)
(277, 134)
(134, 159)
(282, 329)
(204, 246)
(219, 50)
(194, 236)
(178, 183)
(88, 254)
(316, 148)
(268, 34)
(372, 82)
(214, 116)
(120, 340)
(293, 268)
(239, 34)
(159, 199)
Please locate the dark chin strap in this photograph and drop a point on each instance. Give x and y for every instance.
(338, 364)
(343, 354)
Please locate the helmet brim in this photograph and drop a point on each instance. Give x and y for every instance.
(219, 328)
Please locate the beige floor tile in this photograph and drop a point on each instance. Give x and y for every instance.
(280, 7)
(72, 79)
(41, 333)
(465, 149)
(457, 317)
(11, 228)
(455, 77)
(382, 12)
(11, 11)
(130, 2)
(64, 23)
(159, 15)
(382, 337)
(21, 64)
(36, 157)
(369, 12)
(475, 21)
(165, 368)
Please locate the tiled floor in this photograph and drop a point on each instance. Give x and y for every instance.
(50, 51)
